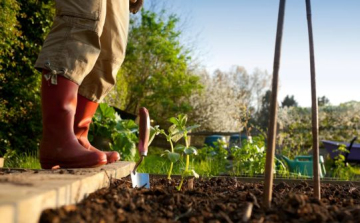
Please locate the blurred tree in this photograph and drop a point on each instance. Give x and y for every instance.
(217, 107)
(323, 101)
(339, 123)
(249, 87)
(229, 98)
(156, 68)
(23, 25)
(263, 114)
(289, 101)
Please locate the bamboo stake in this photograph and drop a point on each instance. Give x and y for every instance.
(270, 152)
(314, 106)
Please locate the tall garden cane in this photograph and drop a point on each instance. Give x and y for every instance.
(314, 106)
(270, 152)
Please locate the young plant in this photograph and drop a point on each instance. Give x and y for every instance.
(181, 130)
(172, 136)
(188, 151)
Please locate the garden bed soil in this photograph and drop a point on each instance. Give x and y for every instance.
(214, 200)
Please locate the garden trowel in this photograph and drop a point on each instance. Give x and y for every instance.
(141, 180)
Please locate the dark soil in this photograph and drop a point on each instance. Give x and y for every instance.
(212, 200)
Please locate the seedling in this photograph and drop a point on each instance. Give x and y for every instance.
(188, 151)
(176, 131)
(179, 130)
(172, 136)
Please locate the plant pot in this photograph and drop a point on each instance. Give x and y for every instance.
(1, 162)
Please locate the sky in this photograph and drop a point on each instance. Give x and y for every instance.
(242, 32)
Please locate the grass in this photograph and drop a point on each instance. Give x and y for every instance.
(155, 164)
(210, 167)
(28, 160)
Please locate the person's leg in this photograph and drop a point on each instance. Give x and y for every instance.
(73, 45)
(85, 110)
(59, 145)
(102, 77)
(113, 40)
(68, 55)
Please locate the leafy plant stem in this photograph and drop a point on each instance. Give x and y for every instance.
(181, 182)
(170, 170)
(172, 163)
(186, 170)
(186, 164)
(186, 139)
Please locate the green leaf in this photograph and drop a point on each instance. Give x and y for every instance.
(183, 120)
(125, 144)
(173, 157)
(172, 129)
(107, 111)
(192, 127)
(179, 148)
(174, 121)
(166, 152)
(176, 137)
(191, 150)
(154, 131)
(128, 125)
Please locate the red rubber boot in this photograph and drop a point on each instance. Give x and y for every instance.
(59, 145)
(85, 110)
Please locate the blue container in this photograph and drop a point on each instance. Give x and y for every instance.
(210, 140)
(236, 140)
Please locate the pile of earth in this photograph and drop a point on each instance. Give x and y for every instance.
(222, 199)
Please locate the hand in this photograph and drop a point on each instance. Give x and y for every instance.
(135, 5)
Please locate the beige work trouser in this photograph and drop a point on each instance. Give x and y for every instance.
(87, 44)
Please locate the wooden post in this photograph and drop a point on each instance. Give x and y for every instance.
(270, 152)
(314, 106)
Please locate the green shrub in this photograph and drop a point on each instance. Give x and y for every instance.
(109, 132)
(23, 26)
(250, 159)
